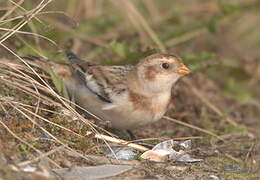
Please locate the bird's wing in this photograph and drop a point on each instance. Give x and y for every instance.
(103, 81)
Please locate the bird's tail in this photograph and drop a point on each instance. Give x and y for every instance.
(33, 61)
(55, 69)
(38, 62)
(72, 57)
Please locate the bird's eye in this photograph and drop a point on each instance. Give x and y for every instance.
(165, 65)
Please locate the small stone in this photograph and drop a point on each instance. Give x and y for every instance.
(29, 169)
(178, 168)
(214, 177)
(123, 154)
(186, 145)
(231, 167)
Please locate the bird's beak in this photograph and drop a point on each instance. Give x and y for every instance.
(183, 70)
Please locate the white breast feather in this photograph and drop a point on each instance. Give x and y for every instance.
(109, 106)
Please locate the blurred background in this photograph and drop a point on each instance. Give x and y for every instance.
(218, 39)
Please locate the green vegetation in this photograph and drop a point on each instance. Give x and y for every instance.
(218, 40)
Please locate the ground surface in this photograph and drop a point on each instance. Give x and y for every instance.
(218, 40)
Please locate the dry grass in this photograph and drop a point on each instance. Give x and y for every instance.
(47, 113)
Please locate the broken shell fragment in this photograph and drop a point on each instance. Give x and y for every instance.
(157, 155)
(165, 151)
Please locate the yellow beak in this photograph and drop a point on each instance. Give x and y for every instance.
(183, 70)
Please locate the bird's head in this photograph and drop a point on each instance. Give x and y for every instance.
(159, 72)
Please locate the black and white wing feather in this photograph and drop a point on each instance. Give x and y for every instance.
(104, 81)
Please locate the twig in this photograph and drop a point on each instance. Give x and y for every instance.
(120, 141)
(165, 138)
(232, 158)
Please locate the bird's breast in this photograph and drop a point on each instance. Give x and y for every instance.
(136, 110)
(157, 103)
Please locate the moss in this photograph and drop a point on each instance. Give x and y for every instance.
(206, 53)
(240, 176)
(229, 129)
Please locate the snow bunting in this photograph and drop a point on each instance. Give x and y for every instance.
(126, 96)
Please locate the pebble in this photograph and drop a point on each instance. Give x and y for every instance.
(231, 167)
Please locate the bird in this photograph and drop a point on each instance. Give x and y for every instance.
(126, 96)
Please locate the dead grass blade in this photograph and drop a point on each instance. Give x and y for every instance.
(164, 139)
(208, 103)
(48, 133)
(84, 37)
(138, 18)
(24, 142)
(121, 142)
(10, 11)
(185, 37)
(193, 127)
(30, 33)
(50, 122)
(24, 22)
(24, 83)
(43, 155)
(28, 80)
(154, 37)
